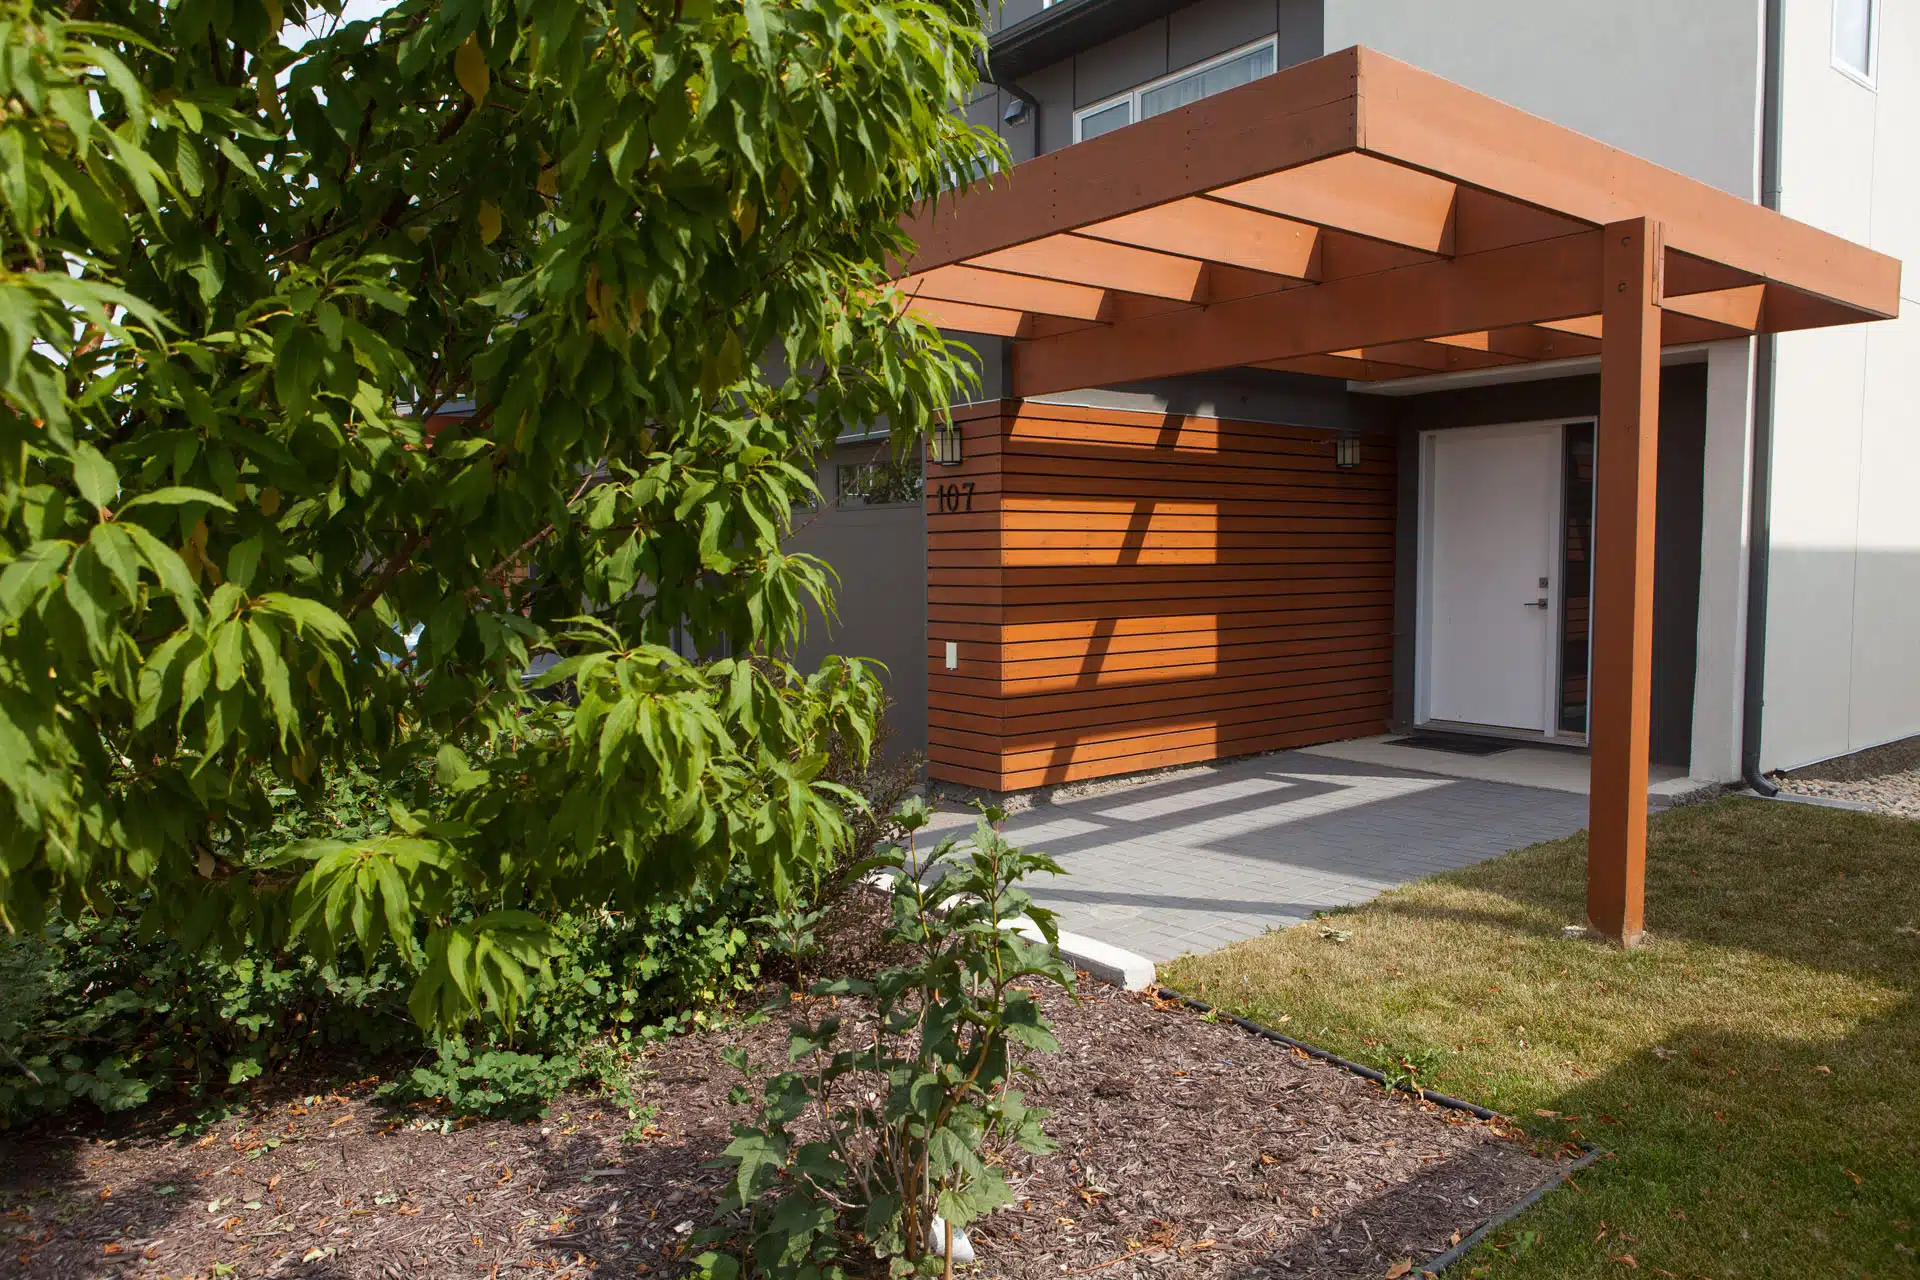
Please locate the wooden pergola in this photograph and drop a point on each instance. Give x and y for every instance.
(1356, 217)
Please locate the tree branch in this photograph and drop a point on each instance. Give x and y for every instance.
(395, 566)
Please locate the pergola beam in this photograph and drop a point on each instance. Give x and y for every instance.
(1535, 342)
(1352, 368)
(1738, 308)
(1509, 168)
(1451, 295)
(1677, 329)
(1438, 356)
(1299, 115)
(1431, 123)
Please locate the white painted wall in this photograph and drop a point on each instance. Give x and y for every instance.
(1719, 672)
(1843, 617)
(1675, 81)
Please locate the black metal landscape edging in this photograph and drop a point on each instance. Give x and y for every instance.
(1590, 1153)
(1345, 1064)
(1508, 1214)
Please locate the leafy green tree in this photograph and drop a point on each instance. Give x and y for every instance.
(339, 379)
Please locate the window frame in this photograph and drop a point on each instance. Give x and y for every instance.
(1870, 78)
(1132, 96)
(908, 466)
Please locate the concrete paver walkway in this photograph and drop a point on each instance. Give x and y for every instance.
(1195, 861)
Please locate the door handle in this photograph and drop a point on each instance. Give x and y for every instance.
(1541, 603)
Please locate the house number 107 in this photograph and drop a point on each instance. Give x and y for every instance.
(955, 497)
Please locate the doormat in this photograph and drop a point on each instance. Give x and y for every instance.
(1459, 744)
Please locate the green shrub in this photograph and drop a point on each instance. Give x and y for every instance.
(493, 1082)
(617, 979)
(93, 1011)
(866, 1143)
(98, 1010)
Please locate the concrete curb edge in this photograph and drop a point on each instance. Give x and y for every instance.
(1116, 965)
(1103, 960)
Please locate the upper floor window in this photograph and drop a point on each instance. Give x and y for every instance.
(1856, 38)
(1227, 71)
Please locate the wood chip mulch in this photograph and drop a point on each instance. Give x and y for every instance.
(1186, 1148)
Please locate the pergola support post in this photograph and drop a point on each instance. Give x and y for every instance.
(1625, 473)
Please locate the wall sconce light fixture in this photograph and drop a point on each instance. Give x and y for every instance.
(944, 445)
(1346, 452)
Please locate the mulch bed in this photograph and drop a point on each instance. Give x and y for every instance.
(1186, 1148)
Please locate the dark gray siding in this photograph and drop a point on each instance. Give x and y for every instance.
(1013, 12)
(1122, 54)
(1200, 31)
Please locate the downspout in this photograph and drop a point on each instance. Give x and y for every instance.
(993, 77)
(1759, 518)
(1007, 83)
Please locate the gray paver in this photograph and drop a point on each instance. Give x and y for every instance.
(1193, 863)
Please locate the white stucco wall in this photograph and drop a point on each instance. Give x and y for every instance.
(1843, 618)
(1675, 81)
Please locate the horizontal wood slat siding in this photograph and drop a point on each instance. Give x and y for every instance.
(1130, 591)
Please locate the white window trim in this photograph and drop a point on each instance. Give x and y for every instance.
(1870, 80)
(1133, 94)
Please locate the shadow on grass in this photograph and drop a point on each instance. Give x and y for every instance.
(1751, 1069)
(1742, 1155)
(1828, 890)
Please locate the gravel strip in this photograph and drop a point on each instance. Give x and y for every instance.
(1885, 778)
(1893, 793)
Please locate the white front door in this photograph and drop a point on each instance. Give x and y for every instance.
(1491, 593)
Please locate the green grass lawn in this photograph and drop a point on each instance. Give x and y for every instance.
(1754, 1069)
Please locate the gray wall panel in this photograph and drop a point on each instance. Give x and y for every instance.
(1303, 30)
(1053, 88)
(985, 109)
(1120, 64)
(880, 554)
(1004, 15)
(1678, 498)
(1200, 31)
(1676, 81)
(1406, 573)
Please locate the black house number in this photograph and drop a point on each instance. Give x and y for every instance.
(955, 497)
